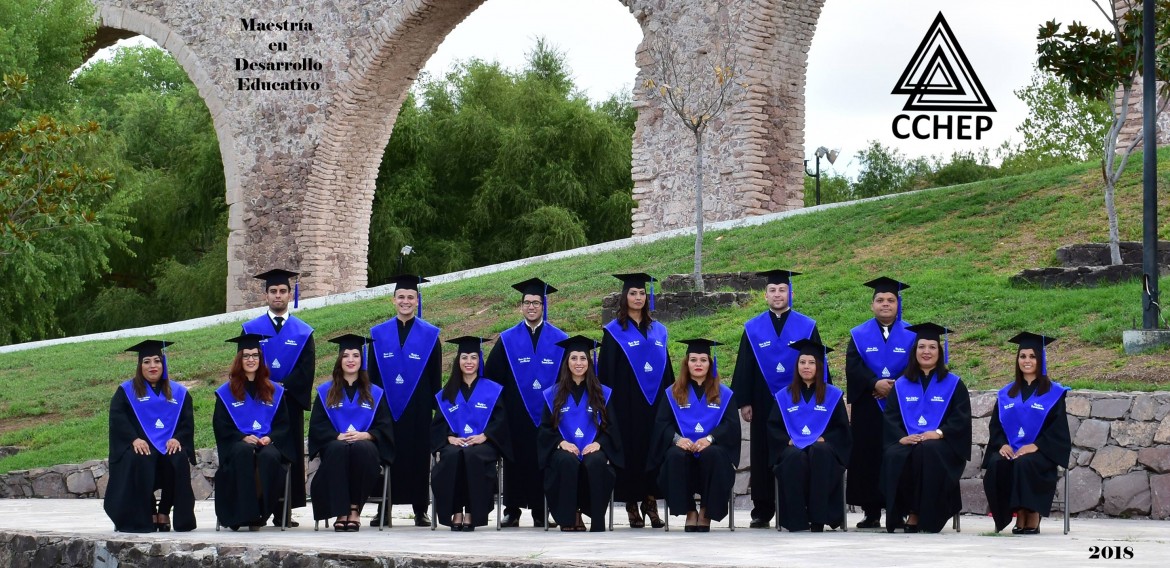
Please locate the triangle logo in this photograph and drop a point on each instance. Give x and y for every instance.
(939, 77)
(275, 364)
(922, 421)
(699, 428)
(886, 372)
(805, 431)
(536, 385)
(256, 425)
(398, 380)
(467, 429)
(1021, 433)
(159, 423)
(578, 434)
(779, 367)
(351, 429)
(647, 368)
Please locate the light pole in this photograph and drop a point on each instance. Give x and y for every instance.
(402, 254)
(821, 152)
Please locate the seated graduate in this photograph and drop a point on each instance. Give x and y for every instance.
(352, 432)
(927, 436)
(469, 432)
(1028, 438)
(696, 440)
(252, 439)
(577, 443)
(809, 444)
(152, 446)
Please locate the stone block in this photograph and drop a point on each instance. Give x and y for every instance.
(102, 482)
(1157, 459)
(1110, 408)
(979, 430)
(1084, 489)
(1112, 460)
(1073, 424)
(1092, 434)
(49, 484)
(742, 483)
(975, 464)
(1127, 495)
(1162, 436)
(1078, 406)
(1127, 433)
(1160, 496)
(201, 486)
(745, 454)
(974, 499)
(1144, 408)
(981, 404)
(81, 482)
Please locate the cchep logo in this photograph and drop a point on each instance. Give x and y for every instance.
(940, 79)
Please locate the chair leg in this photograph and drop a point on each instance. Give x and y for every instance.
(1065, 501)
(777, 483)
(287, 498)
(666, 513)
(955, 522)
(431, 491)
(500, 490)
(844, 505)
(385, 504)
(731, 512)
(546, 511)
(610, 511)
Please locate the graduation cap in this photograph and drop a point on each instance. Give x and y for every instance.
(579, 343)
(470, 344)
(247, 341)
(701, 346)
(409, 282)
(814, 348)
(781, 277)
(1038, 343)
(352, 341)
(887, 285)
(278, 276)
(536, 287)
(934, 332)
(151, 348)
(637, 280)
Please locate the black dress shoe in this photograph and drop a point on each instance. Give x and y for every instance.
(468, 528)
(911, 528)
(691, 528)
(510, 521)
(870, 523)
(1033, 530)
(817, 527)
(759, 524)
(421, 520)
(539, 523)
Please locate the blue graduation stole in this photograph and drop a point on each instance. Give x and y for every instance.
(283, 349)
(777, 361)
(887, 359)
(402, 366)
(350, 415)
(698, 418)
(647, 355)
(250, 415)
(540, 364)
(469, 417)
(1022, 419)
(157, 415)
(579, 421)
(923, 411)
(806, 420)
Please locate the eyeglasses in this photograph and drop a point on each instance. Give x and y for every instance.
(530, 303)
(250, 356)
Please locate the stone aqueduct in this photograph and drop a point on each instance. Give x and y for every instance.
(300, 165)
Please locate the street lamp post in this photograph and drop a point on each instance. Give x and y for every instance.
(821, 152)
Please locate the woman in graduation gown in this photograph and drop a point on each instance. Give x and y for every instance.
(152, 446)
(1028, 438)
(927, 435)
(577, 444)
(696, 440)
(469, 432)
(351, 430)
(251, 425)
(634, 363)
(809, 444)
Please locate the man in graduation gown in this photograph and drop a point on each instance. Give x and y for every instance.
(292, 361)
(152, 446)
(525, 361)
(765, 365)
(877, 354)
(408, 367)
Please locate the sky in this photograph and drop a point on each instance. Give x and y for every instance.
(858, 52)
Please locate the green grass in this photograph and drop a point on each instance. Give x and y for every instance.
(955, 246)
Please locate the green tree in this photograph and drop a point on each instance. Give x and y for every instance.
(44, 40)
(1060, 127)
(883, 171)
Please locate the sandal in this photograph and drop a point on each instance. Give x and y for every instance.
(636, 520)
(650, 509)
(340, 524)
(164, 526)
(356, 524)
(580, 526)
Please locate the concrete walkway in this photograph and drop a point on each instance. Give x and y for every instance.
(1149, 541)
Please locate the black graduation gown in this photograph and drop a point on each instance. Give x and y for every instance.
(408, 475)
(1027, 482)
(298, 392)
(465, 478)
(634, 481)
(349, 472)
(682, 474)
(129, 499)
(811, 479)
(924, 478)
(865, 460)
(563, 472)
(240, 464)
(752, 390)
(523, 479)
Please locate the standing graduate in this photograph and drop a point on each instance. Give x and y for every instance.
(1028, 439)
(577, 446)
(809, 442)
(525, 361)
(764, 366)
(409, 367)
(878, 352)
(696, 441)
(251, 438)
(470, 432)
(927, 433)
(352, 432)
(291, 358)
(635, 364)
(152, 446)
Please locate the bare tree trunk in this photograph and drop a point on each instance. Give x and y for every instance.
(699, 211)
(1111, 211)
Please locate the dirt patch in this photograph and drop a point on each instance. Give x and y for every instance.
(14, 424)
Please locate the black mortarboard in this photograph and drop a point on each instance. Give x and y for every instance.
(638, 280)
(409, 282)
(578, 343)
(150, 347)
(779, 276)
(278, 276)
(536, 287)
(701, 346)
(934, 332)
(247, 341)
(1029, 340)
(887, 285)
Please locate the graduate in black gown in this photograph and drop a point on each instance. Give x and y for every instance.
(763, 367)
(577, 445)
(634, 363)
(878, 352)
(408, 365)
(1028, 439)
(350, 429)
(525, 360)
(291, 358)
(470, 432)
(927, 432)
(152, 446)
(809, 443)
(251, 437)
(696, 440)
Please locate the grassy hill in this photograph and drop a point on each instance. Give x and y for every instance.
(956, 246)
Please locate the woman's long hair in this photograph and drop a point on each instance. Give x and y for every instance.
(623, 313)
(592, 392)
(140, 383)
(1042, 381)
(451, 389)
(710, 385)
(913, 370)
(818, 380)
(337, 389)
(238, 379)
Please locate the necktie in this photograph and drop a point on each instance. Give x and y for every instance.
(279, 323)
(885, 332)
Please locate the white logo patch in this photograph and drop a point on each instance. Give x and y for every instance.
(398, 380)
(805, 431)
(647, 368)
(256, 425)
(922, 421)
(536, 385)
(699, 428)
(1021, 433)
(158, 424)
(578, 434)
(467, 429)
(886, 372)
(780, 367)
(351, 429)
(275, 364)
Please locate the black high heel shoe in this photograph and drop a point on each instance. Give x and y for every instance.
(162, 527)
(636, 520)
(650, 509)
